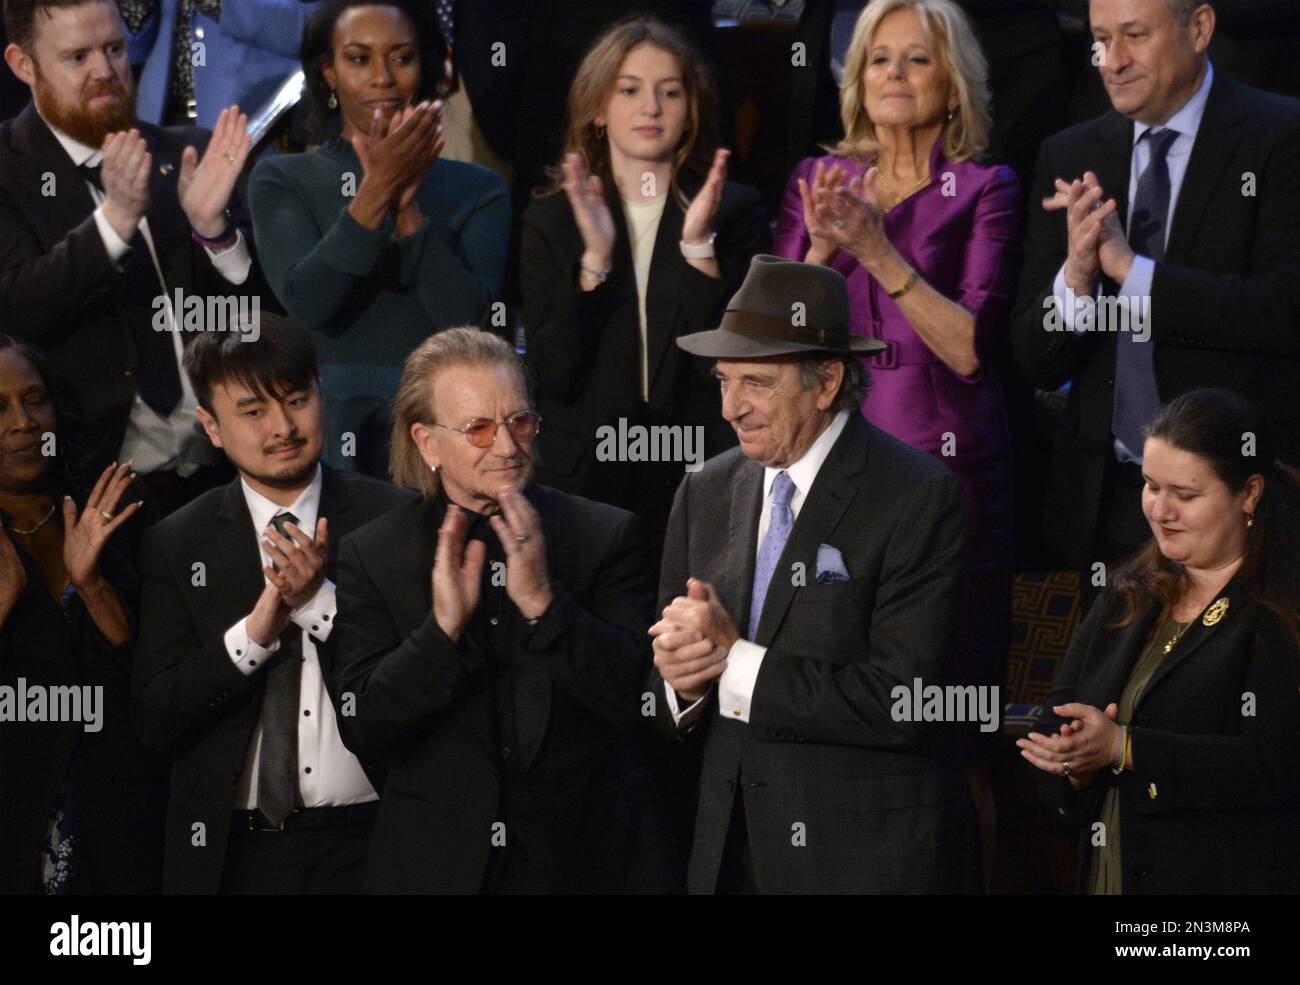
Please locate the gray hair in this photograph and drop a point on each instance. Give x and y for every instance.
(853, 388)
(1183, 9)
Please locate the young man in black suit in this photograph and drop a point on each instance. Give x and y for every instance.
(806, 575)
(492, 638)
(1162, 255)
(265, 798)
(102, 221)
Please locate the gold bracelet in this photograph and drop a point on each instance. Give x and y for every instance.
(911, 282)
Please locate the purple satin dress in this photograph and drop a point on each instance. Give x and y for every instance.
(961, 233)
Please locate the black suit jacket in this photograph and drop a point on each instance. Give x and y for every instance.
(583, 346)
(884, 808)
(1212, 804)
(1225, 302)
(189, 698)
(121, 789)
(58, 288)
(422, 705)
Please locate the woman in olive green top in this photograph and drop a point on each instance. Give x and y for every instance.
(373, 242)
(1172, 732)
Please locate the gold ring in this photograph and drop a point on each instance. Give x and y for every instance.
(106, 515)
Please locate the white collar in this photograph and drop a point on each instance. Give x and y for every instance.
(803, 472)
(306, 507)
(1187, 121)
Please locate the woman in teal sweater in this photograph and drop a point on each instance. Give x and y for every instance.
(373, 242)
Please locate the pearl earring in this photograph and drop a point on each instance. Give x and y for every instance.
(334, 100)
(433, 469)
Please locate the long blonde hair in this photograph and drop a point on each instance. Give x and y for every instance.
(595, 81)
(413, 403)
(966, 135)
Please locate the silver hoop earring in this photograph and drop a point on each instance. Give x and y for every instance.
(333, 101)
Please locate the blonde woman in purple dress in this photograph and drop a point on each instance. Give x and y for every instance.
(928, 241)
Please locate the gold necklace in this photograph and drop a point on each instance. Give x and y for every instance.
(1182, 628)
(893, 196)
(43, 521)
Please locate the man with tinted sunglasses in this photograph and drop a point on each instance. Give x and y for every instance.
(491, 639)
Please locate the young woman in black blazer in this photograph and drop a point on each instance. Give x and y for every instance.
(1172, 734)
(639, 240)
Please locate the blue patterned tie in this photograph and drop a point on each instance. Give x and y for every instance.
(1137, 401)
(778, 532)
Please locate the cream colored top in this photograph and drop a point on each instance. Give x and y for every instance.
(643, 226)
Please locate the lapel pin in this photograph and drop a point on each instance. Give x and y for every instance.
(1215, 612)
(1151, 791)
(166, 169)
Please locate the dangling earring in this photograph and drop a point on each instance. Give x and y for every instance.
(1250, 520)
(951, 114)
(334, 100)
(600, 133)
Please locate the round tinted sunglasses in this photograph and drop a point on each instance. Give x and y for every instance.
(482, 431)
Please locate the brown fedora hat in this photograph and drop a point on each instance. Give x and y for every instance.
(783, 307)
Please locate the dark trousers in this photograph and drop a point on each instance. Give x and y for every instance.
(324, 852)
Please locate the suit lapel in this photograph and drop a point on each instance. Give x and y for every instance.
(237, 559)
(1216, 141)
(664, 287)
(336, 507)
(1195, 636)
(823, 506)
(742, 541)
(71, 204)
(532, 684)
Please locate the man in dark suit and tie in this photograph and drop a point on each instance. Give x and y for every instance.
(807, 576)
(1164, 257)
(265, 797)
(492, 638)
(102, 221)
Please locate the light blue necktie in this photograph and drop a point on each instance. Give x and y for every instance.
(778, 532)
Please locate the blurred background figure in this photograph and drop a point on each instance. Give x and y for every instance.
(196, 57)
(639, 239)
(374, 241)
(1174, 723)
(928, 241)
(81, 807)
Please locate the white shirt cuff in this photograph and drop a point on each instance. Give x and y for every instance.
(736, 685)
(684, 718)
(317, 616)
(113, 243)
(234, 262)
(1077, 312)
(247, 655)
(1137, 284)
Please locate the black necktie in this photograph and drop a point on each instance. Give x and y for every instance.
(1137, 400)
(277, 768)
(157, 374)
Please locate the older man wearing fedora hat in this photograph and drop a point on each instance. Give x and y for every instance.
(807, 576)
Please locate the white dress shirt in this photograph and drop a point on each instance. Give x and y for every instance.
(1079, 314)
(335, 778)
(745, 658)
(154, 443)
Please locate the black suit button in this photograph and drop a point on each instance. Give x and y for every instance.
(1141, 871)
(505, 752)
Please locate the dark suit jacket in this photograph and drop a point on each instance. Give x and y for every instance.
(189, 698)
(120, 789)
(884, 807)
(58, 288)
(422, 705)
(1225, 302)
(1212, 804)
(583, 346)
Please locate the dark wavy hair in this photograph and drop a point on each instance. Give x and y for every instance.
(1214, 425)
(71, 472)
(318, 42)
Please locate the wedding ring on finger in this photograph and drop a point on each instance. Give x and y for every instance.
(106, 515)
(521, 538)
(1065, 767)
(839, 223)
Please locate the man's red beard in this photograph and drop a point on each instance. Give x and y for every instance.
(80, 122)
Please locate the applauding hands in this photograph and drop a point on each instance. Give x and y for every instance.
(395, 158)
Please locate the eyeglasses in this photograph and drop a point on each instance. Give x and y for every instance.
(482, 432)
